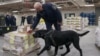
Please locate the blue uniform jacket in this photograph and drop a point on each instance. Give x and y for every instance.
(50, 14)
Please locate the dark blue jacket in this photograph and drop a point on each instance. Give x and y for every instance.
(50, 14)
(10, 20)
(29, 19)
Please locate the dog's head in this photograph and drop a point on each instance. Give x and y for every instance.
(40, 33)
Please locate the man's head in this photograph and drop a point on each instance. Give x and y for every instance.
(38, 6)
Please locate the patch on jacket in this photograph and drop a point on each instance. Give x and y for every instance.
(54, 7)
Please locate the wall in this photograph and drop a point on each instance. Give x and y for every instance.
(77, 13)
(97, 10)
(18, 17)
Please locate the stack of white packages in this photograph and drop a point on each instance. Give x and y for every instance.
(19, 43)
(85, 21)
(74, 23)
(97, 39)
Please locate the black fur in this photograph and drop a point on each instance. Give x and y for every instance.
(60, 38)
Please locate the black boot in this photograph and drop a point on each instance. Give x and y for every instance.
(61, 47)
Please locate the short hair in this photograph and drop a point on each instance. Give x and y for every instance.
(37, 4)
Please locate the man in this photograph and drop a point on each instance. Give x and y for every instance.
(22, 20)
(13, 20)
(50, 14)
(7, 20)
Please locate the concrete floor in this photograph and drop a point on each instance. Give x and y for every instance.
(87, 44)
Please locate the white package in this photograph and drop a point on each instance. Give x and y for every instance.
(97, 39)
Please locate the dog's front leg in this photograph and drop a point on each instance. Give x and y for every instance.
(42, 50)
(56, 50)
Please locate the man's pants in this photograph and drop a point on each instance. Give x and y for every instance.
(22, 23)
(56, 25)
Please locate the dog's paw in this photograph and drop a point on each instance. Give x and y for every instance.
(61, 47)
(62, 55)
(48, 48)
(38, 54)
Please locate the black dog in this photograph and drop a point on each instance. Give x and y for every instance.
(58, 38)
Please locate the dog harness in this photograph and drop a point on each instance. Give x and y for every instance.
(51, 33)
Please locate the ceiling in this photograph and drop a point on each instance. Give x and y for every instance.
(25, 5)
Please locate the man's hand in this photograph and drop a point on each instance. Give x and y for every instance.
(30, 31)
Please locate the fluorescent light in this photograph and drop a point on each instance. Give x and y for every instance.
(59, 7)
(32, 9)
(15, 11)
(89, 5)
(10, 2)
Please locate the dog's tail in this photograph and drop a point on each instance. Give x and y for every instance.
(83, 33)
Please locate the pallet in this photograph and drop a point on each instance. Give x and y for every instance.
(32, 51)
